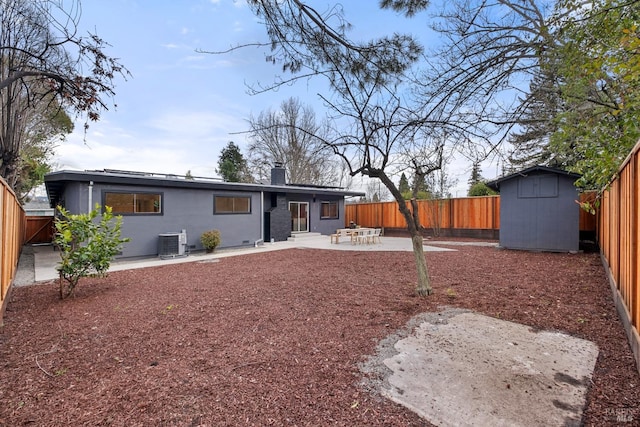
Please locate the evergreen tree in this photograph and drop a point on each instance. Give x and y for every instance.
(232, 165)
(403, 186)
(476, 174)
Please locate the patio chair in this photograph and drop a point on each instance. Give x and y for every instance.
(376, 235)
(365, 236)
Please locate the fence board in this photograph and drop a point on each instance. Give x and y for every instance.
(469, 213)
(12, 228)
(619, 237)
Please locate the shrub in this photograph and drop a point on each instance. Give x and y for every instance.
(210, 240)
(86, 246)
(480, 189)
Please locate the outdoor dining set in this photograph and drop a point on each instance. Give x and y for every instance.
(360, 235)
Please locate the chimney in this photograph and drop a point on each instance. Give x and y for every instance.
(278, 174)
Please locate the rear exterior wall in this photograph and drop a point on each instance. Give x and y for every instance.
(182, 209)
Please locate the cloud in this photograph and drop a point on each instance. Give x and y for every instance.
(173, 141)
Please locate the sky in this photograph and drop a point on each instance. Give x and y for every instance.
(180, 107)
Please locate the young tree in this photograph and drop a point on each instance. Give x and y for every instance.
(86, 246)
(42, 67)
(232, 166)
(293, 137)
(369, 94)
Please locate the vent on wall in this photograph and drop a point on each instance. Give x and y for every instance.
(171, 245)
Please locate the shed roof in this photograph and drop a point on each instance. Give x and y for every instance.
(56, 181)
(495, 184)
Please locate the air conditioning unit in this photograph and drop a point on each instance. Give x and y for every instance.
(172, 244)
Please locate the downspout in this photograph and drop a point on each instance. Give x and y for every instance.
(260, 241)
(90, 196)
(262, 215)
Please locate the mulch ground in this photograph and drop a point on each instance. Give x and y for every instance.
(276, 338)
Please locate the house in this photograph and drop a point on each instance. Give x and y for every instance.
(154, 206)
(538, 210)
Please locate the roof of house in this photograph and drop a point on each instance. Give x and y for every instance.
(495, 184)
(56, 181)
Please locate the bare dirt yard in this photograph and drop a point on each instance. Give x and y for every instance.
(278, 338)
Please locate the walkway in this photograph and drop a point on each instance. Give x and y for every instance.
(38, 263)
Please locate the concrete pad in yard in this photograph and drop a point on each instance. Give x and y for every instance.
(458, 368)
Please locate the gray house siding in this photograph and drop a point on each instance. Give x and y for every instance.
(76, 199)
(183, 209)
(189, 205)
(538, 212)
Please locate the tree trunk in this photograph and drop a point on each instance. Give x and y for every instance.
(412, 218)
(423, 287)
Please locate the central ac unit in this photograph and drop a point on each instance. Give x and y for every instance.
(172, 244)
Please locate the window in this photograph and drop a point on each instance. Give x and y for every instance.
(133, 203)
(328, 210)
(231, 205)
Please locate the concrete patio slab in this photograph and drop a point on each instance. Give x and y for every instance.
(458, 368)
(45, 258)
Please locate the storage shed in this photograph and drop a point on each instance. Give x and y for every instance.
(538, 210)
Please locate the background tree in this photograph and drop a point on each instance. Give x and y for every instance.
(42, 68)
(536, 125)
(232, 165)
(440, 183)
(600, 86)
(476, 174)
(480, 189)
(403, 185)
(43, 130)
(580, 110)
(477, 184)
(294, 137)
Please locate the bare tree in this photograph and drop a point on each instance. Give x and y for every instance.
(42, 64)
(293, 137)
(375, 125)
(549, 77)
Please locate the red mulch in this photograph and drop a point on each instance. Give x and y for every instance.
(276, 338)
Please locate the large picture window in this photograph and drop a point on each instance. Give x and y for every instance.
(328, 210)
(133, 203)
(231, 204)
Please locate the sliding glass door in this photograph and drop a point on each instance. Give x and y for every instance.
(299, 216)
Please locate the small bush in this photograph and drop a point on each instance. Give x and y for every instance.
(86, 246)
(211, 240)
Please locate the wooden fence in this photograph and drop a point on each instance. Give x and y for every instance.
(440, 216)
(619, 237)
(12, 231)
(470, 216)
